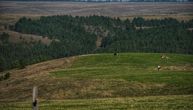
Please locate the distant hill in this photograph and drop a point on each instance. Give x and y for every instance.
(109, 0)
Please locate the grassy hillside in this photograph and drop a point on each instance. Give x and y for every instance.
(104, 81)
(133, 74)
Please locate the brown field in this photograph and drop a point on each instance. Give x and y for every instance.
(11, 11)
(85, 9)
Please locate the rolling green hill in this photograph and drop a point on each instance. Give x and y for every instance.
(104, 81)
(133, 74)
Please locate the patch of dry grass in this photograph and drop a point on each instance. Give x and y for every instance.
(170, 102)
(15, 37)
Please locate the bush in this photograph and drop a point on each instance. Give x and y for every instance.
(5, 76)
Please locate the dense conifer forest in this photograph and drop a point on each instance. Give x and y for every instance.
(94, 34)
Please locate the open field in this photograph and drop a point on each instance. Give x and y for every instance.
(104, 81)
(175, 102)
(12, 11)
(105, 9)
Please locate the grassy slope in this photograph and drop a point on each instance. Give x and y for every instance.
(134, 74)
(114, 80)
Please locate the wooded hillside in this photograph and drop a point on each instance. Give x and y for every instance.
(93, 34)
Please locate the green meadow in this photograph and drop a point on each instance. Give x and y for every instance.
(126, 81)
